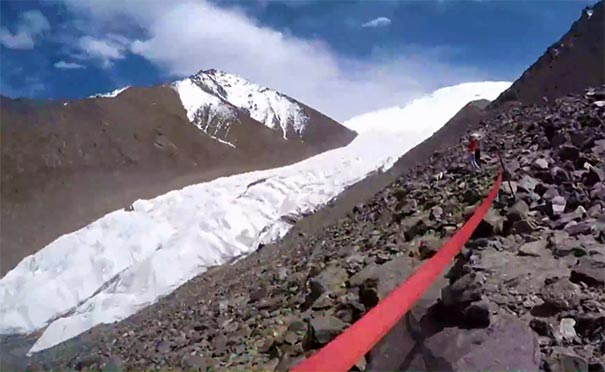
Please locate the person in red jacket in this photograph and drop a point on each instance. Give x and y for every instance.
(473, 145)
(478, 151)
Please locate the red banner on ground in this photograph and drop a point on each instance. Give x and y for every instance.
(345, 350)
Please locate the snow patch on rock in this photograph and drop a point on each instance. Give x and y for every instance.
(264, 105)
(206, 111)
(111, 94)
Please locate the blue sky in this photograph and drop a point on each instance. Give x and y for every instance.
(343, 57)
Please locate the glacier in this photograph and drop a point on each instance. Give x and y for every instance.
(126, 260)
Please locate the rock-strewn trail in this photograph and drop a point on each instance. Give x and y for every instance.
(527, 292)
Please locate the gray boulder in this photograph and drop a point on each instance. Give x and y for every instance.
(518, 211)
(577, 228)
(540, 163)
(324, 328)
(466, 289)
(569, 152)
(194, 363)
(329, 281)
(558, 205)
(563, 360)
(384, 278)
(492, 224)
(535, 248)
(507, 344)
(562, 294)
(527, 183)
(589, 270)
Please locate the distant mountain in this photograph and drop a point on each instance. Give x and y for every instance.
(569, 66)
(215, 94)
(218, 103)
(67, 163)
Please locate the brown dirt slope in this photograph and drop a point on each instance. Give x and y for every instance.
(63, 166)
(568, 66)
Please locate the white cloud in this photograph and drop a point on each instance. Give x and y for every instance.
(105, 50)
(377, 22)
(68, 65)
(31, 24)
(20, 40)
(186, 36)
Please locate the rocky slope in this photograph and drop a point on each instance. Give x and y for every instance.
(568, 66)
(65, 164)
(527, 292)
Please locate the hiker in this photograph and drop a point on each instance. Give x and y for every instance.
(472, 147)
(478, 152)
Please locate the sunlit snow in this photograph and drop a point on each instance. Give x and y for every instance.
(111, 94)
(197, 101)
(264, 105)
(125, 261)
(212, 99)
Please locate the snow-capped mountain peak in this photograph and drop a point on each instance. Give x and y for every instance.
(267, 106)
(207, 111)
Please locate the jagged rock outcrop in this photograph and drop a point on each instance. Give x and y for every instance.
(569, 66)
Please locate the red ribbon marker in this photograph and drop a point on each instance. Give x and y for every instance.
(345, 350)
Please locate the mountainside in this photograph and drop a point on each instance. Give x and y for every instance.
(127, 260)
(65, 164)
(526, 293)
(568, 66)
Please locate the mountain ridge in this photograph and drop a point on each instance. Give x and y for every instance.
(235, 96)
(101, 153)
(568, 66)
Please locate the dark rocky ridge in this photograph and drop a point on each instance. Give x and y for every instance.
(533, 273)
(569, 66)
(64, 166)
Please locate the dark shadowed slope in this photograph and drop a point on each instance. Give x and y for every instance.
(568, 66)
